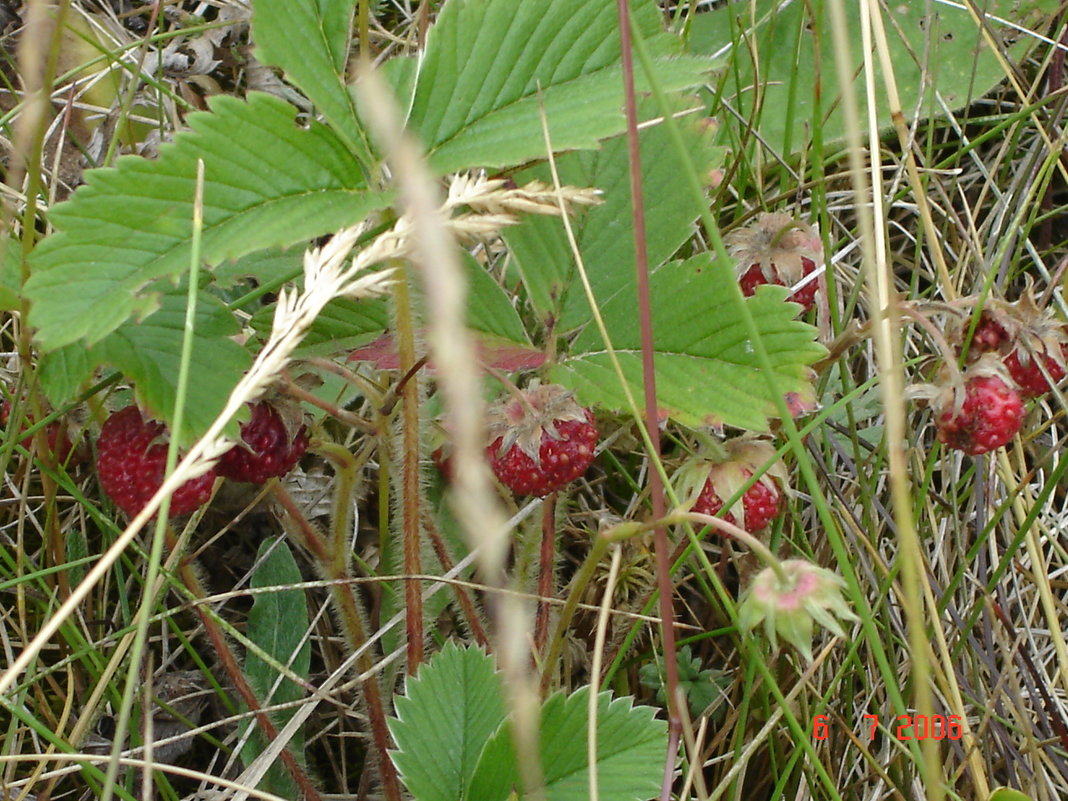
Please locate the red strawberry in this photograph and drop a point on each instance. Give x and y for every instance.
(542, 442)
(761, 502)
(273, 441)
(776, 249)
(130, 458)
(709, 482)
(989, 334)
(1025, 336)
(1025, 370)
(987, 416)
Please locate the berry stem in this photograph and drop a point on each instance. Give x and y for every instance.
(582, 579)
(762, 551)
(230, 664)
(949, 356)
(291, 389)
(513, 390)
(474, 621)
(410, 489)
(546, 571)
(341, 588)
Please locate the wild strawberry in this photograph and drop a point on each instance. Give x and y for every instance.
(982, 415)
(541, 442)
(790, 603)
(989, 334)
(272, 442)
(776, 249)
(131, 455)
(1028, 338)
(1025, 371)
(710, 482)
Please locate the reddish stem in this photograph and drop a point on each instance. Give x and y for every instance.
(546, 573)
(474, 622)
(656, 489)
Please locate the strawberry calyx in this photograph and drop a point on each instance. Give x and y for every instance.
(777, 249)
(527, 419)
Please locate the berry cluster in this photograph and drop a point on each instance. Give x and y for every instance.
(1017, 352)
(132, 453)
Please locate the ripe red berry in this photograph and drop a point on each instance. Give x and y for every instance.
(1025, 371)
(271, 445)
(776, 249)
(761, 503)
(989, 416)
(708, 482)
(989, 334)
(543, 444)
(131, 455)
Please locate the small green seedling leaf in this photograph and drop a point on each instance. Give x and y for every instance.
(277, 623)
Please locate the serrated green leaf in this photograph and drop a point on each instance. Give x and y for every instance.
(939, 48)
(631, 744)
(448, 712)
(707, 371)
(268, 182)
(604, 235)
(489, 309)
(310, 40)
(491, 66)
(277, 623)
(148, 352)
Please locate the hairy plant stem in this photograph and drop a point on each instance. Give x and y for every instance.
(656, 489)
(474, 621)
(230, 664)
(410, 489)
(334, 564)
(546, 572)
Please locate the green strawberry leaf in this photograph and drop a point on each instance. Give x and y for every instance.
(492, 67)
(310, 41)
(603, 232)
(277, 623)
(268, 182)
(630, 752)
(10, 274)
(448, 712)
(707, 371)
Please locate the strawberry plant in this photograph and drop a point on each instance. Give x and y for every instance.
(651, 290)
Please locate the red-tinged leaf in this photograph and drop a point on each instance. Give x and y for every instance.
(497, 353)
